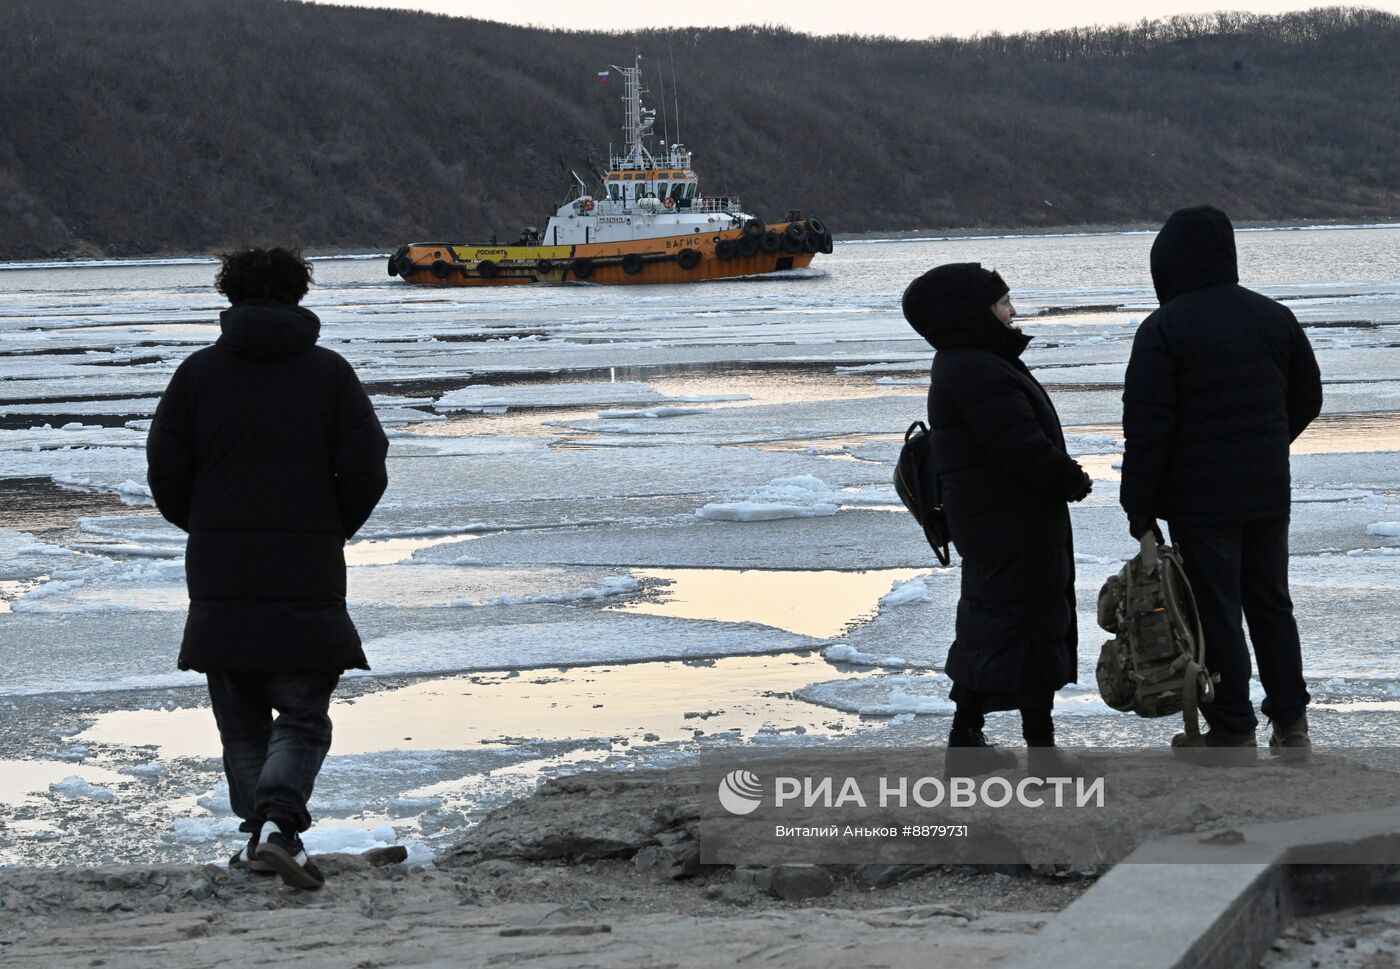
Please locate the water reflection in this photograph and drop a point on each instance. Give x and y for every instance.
(635, 704)
(823, 604)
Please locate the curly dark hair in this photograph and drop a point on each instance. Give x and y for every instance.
(277, 274)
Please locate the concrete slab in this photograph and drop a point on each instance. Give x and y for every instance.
(1218, 900)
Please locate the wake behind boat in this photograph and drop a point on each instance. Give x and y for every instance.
(648, 224)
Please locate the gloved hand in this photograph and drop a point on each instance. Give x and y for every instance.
(1140, 525)
(1086, 486)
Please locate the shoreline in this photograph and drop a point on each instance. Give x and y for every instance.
(952, 234)
(604, 867)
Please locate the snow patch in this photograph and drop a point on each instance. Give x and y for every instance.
(903, 593)
(608, 587)
(797, 496)
(77, 788)
(846, 653)
(483, 396)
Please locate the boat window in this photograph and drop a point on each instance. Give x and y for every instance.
(661, 190)
(678, 191)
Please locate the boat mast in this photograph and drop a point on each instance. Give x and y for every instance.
(638, 120)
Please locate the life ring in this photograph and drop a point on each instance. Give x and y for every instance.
(583, 268)
(748, 245)
(724, 249)
(670, 203)
(770, 241)
(688, 258)
(488, 269)
(816, 226)
(631, 264)
(587, 205)
(754, 227)
(440, 269)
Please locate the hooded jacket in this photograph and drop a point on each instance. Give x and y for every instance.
(1220, 382)
(1006, 479)
(267, 451)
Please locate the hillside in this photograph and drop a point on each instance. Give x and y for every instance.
(152, 126)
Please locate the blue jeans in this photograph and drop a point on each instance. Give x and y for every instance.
(272, 764)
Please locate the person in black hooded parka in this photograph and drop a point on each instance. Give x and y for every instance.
(1006, 479)
(1220, 382)
(267, 451)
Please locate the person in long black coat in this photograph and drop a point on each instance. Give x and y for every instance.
(1006, 479)
(267, 451)
(1220, 382)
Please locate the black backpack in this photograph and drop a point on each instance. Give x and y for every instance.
(916, 482)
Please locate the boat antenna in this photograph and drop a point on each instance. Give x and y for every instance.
(665, 124)
(675, 94)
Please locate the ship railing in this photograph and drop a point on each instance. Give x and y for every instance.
(717, 203)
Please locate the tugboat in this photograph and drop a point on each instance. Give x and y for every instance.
(649, 224)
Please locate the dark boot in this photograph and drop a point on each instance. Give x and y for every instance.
(1290, 740)
(970, 754)
(1218, 748)
(1044, 759)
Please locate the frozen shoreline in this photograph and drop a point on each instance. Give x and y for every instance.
(598, 866)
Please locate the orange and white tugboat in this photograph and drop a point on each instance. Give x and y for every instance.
(650, 224)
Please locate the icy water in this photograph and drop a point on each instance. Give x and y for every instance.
(622, 524)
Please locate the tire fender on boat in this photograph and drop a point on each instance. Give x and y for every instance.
(748, 245)
(440, 269)
(724, 250)
(816, 226)
(631, 264)
(488, 269)
(754, 228)
(582, 268)
(688, 258)
(770, 241)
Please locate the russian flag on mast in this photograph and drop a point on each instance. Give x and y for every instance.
(602, 77)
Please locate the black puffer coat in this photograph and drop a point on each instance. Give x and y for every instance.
(1220, 381)
(266, 450)
(1006, 480)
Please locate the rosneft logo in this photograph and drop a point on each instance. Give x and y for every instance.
(741, 792)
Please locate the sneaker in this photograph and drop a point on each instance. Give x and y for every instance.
(246, 858)
(970, 754)
(1238, 749)
(286, 855)
(1290, 741)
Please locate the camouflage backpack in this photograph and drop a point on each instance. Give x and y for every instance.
(1155, 664)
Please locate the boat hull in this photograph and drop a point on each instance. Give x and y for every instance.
(672, 259)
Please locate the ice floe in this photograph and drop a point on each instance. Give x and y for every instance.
(76, 787)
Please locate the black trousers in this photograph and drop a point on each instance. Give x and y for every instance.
(1239, 567)
(271, 764)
